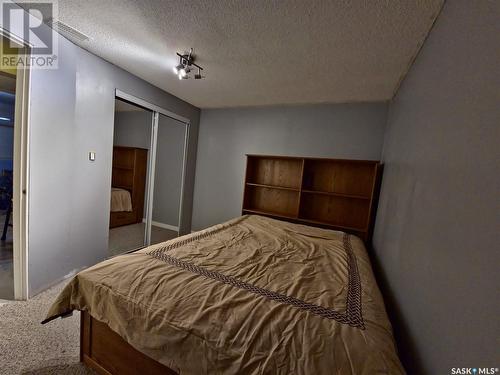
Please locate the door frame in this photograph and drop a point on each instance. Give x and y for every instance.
(157, 110)
(20, 181)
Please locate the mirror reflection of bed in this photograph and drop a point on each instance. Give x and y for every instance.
(130, 176)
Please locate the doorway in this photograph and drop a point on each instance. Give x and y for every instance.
(7, 112)
(149, 152)
(14, 90)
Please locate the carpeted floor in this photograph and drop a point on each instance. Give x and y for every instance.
(27, 347)
(130, 237)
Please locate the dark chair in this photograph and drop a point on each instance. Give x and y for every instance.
(6, 224)
(6, 196)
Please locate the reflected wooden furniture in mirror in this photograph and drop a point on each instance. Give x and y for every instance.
(336, 194)
(129, 173)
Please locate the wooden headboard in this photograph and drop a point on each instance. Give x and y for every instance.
(129, 173)
(337, 194)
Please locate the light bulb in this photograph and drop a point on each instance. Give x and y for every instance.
(177, 68)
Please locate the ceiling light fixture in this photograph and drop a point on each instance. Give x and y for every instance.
(186, 61)
(178, 68)
(184, 71)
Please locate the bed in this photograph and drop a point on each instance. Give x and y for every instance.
(253, 295)
(121, 200)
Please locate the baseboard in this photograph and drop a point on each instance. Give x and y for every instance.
(165, 226)
(162, 225)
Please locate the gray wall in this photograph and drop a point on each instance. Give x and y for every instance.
(437, 229)
(71, 113)
(352, 131)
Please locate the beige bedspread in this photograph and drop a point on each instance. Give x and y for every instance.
(120, 200)
(250, 296)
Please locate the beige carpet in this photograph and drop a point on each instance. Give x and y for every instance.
(131, 237)
(27, 347)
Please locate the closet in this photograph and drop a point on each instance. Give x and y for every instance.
(148, 168)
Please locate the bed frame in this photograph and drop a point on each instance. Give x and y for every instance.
(330, 193)
(129, 173)
(108, 354)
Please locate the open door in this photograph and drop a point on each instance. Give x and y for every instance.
(13, 175)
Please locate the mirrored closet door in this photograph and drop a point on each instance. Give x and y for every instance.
(149, 156)
(166, 193)
(132, 140)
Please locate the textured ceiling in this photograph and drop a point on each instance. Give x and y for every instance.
(260, 52)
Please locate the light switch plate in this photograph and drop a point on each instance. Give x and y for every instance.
(92, 156)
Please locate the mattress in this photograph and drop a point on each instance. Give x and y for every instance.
(120, 200)
(250, 296)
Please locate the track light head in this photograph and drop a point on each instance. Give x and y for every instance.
(184, 71)
(198, 75)
(186, 61)
(178, 68)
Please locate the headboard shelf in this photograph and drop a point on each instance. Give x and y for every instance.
(125, 168)
(273, 186)
(338, 194)
(272, 171)
(335, 194)
(268, 213)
